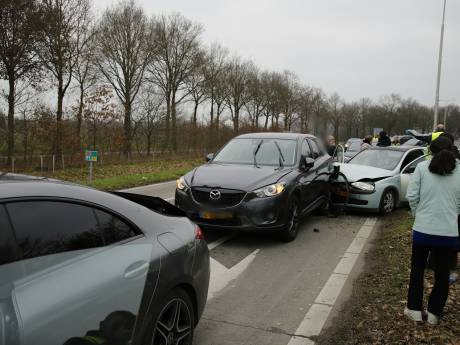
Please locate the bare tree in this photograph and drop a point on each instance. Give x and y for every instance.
(18, 40)
(214, 72)
(61, 26)
(195, 84)
(151, 114)
(256, 101)
(124, 41)
(237, 81)
(85, 71)
(177, 44)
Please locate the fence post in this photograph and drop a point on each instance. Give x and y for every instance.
(41, 164)
(54, 157)
(12, 164)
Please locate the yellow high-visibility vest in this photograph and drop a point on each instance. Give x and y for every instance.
(435, 135)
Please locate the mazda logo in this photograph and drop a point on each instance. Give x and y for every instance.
(215, 194)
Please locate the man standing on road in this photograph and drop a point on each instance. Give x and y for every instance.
(430, 137)
(384, 139)
(331, 145)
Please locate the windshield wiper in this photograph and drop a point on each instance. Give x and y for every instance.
(255, 153)
(280, 157)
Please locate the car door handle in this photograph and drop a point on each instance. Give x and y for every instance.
(136, 269)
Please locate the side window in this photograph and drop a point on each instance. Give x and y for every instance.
(8, 249)
(409, 169)
(113, 228)
(49, 227)
(305, 150)
(411, 156)
(314, 149)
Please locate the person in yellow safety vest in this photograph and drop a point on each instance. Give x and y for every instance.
(430, 137)
(116, 329)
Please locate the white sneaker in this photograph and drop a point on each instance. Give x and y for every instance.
(414, 315)
(432, 319)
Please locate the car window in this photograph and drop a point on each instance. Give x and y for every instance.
(383, 159)
(8, 249)
(113, 228)
(306, 151)
(411, 156)
(49, 227)
(267, 151)
(354, 145)
(314, 149)
(409, 169)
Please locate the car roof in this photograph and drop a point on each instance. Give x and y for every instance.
(394, 148)
(274, 135)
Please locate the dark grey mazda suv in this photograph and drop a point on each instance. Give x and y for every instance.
(262, 181)
(80, 266)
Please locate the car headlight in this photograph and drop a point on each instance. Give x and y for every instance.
(368, 187)
(181, 184)
(272, 190)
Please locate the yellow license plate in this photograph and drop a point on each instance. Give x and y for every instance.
(216, 215)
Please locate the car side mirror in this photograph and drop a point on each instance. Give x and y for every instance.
(306, 163)
(209, 157)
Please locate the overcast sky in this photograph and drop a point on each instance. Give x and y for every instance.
(358, 48)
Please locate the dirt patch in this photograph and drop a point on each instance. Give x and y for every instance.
(374, 313)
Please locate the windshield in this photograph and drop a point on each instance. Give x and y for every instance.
(383, 159)
(241, 151)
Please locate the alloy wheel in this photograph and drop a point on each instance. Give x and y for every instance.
(174, 325)
(388, 202)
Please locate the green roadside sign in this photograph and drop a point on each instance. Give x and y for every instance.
(91, 156)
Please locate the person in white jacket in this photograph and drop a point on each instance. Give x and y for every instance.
(434, 198)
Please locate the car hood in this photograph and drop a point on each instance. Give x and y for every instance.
(241, 177)
(355, 172)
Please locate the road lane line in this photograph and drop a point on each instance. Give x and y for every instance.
(221, 276)
(220, 240)
(317, 315)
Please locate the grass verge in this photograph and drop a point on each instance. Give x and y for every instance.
(118, 176)
(374, 313)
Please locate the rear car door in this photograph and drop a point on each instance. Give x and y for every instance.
(79, 266)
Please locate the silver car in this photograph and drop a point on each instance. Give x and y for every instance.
(377, 178)
(78, 265)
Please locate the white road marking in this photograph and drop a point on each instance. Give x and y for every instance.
(220, 240)
(221, 276)
(317, 315)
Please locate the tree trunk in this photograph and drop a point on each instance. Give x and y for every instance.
(173, 123)
(58, 147)
(194, 134)
(168, 119)
(127, 128)
(211, 123)
(11, 101)
(25, 140)
(80, 115)
(236, 120)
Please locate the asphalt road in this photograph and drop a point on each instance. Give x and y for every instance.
(266, 292)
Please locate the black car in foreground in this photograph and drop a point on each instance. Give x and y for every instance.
(261, 181)
(81, 266)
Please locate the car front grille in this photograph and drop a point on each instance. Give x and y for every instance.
(228, 197)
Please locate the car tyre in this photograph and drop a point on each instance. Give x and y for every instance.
(387, 202)
(291, 229)
(174, 321)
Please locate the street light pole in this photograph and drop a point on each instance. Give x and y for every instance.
(436, 103)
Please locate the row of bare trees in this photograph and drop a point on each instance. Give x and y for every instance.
(128, 81)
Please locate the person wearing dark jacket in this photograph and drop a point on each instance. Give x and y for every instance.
(429, 137)
(384, 139)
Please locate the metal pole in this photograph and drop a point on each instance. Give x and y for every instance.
(436, 104)
(12, 164)
(41, 164)
(54, 161)
(90, 173)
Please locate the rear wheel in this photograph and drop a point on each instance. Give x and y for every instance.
(290, 231)
(388, 202)
(175, 322)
